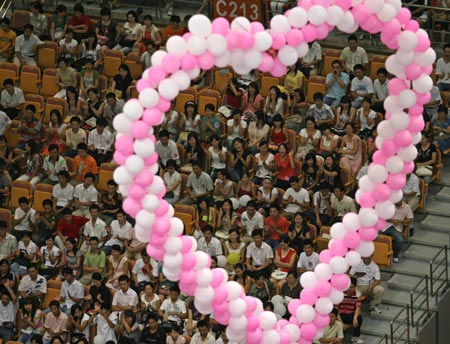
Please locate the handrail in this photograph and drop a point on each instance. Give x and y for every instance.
(415, 306)
(398, 324)
(384, 340)
(436, 283)
(5, 10)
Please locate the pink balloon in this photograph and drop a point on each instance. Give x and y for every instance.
(278, 69)
(408, 167)
(131, 206)
(142, 84)
(325, 256)
(396, 181)
(223, 318)
(218, 278)
(293, 320)
(164, 104)
(162, 224)
(412, 25)
(323, 30)
(337, 247)
(321, 320)
(251, 304)
(344, 4)
(233, 39)
(156, 74)
(403, 138)
(416, 110)
(308, 331)
(220, 25)
(220, 294)
(309, 33)
(187, 245)
(323, 288)
(189, 261)
(267, 63)
(247, 40)
(381, 224)
(367, 200)
(422, 98)
(389, 148)
(254, 337)
(171, 63)
(120, 158)
(379, 158)
(137, 192)
(423, 43)
(367, 234)
(155, 252)
(352, 239)
(144, 178)
(186, 36)
(188, 277)
(157, 239)
(278, 40)
(306, 4)
(294, 37)
(252, 322)
(293, 305)
(391, 29)
(396, 85)
(188, 62)
(427, 70)
(151, 159)
(413, 71)
(403, 15)
(139, 129)
(361, 13)
(206, 61)
(162, 209)
(285, 338)
(308, 296)
(124, 144)
(340, 282)
(381, 192)
(187, 288)
(256, 27)
(152, 116)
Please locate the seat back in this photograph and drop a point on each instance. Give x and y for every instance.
(221, 79)
(437, 166)
(382, 254)
(329, 57)
(422, 189)
(49, 86)
(188, 221)
(111, 62)
(38, 198)
(52, 294)
(204, 100)
(182, 99)
(8, 71)
(346, 179)
(378, 61)
(19, 19)
(136, 68)
(70, 164)
(12, 135)
(5, 215)
(30, 79)
(316, 84)
(19, 189)
(266, 83)
(105, 174)
(47, 55)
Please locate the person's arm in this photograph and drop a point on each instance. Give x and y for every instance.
(266, 264)
(429, 162)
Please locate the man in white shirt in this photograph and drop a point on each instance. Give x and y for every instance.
(380, 90)
(95, 227)
(251, 220)
(24, 218)
(12, 99)
(443, 70)
(145, 270)
(353, 55)
(199, 184)
(53, 164)
(26, 46)
(85, 195)
(411, 191)
(125, 298)
(403, 216)
(203, 336)
(259, 255)
(33, 284)
(341, 203)
(295, 199)
(63, 192)
(368, 277)
(361, 86)
(72, 291)
(308, 258)
(100, 141)
(119, 232)
(208, 243)
(166, 149)
(111, 108)
(8, 311)
(68, 46)
(173, 309)
(310, 63)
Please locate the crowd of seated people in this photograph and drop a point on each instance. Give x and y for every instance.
(262, 174)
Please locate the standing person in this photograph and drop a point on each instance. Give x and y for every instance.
(350, 312)
(7, 41)
(353, 55)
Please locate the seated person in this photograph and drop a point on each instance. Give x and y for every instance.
(106, 322)
(308, 258)
(72, 291)
(62, 193)
(29, 128)
(295, 199)
(98, 292)
(85, 195)
(259, 255)
(172, 180)
(361, 86)
(334, 332)
(251, 220)
(264, 162)
(56, 323)
(275, 226)
(441, 129)
(261, 287)
(199, 184)
(122, 82)
(350, 312)
(210, 124)
(24, 218)
(117, 266)
(12, 99)
(209, 243)
(284, 261)
(74, 136)
(25, 254)
(95, 227)
(119, 231)
(320, 111)
(26, 46)
(33, 161)
(125, 298)
(203, 335)
(341, 203)
(68, 47)
(336, 83)
(94, 261)
(110, 203)
(411, 191)
(100, 141)
(45, 224)
(83, 164)
(166, 149)
(145, 270)
(173, 309)
(174, 28)
(153, 332)
(49, 257)
(322, 205)
(111, 107)
(32, 284)
(69, 226)
(53, 164)
(66, 77)
(133, 246)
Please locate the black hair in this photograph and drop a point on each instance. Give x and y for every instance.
(28, 27)
(352, 38)
(78, 7)
(163, 133)
(82, 146)
(318, 96)
(75, 119)
(210, 107)
(257, 232)
(58, 117)
(8, 81)
(171, 163)
(105, 11)
(358, 67)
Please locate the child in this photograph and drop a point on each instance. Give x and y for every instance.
(174, 336)
(349, 311)
(210, 124)
(308, 258)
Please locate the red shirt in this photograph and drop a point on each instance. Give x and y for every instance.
(285, 170)
(349, 304)
(281, 224)
(72, 229)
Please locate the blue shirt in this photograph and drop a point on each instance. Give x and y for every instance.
(336, 91)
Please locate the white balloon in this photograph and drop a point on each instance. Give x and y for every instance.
(122, 176)
(172, 262)
(182, 79)
(280, 23)
(379, 142)
(365, 248)
(205, 294)
(277, 299)
(423, 84)
(132, 109)
(157, 57)
(308, 279)
(338, 265)
(335, 15)
(407, 40)
(241, 69)
(145, 218)
(374, 6)
(347, 23)
(317, 14)
(270, 337)
(267, 320)
(305, 313)
(124, 190)
(200, 25)
(377, 173)
(173, 246)
(142, 233)
(224, 60)
(148, 98)
(392, 105)
(156, 186)
(405, 58)
(288, 55)
(221, 261)
(194, 72)
(150, 202)
(350, 222)
(353, 258)
(394, 67)
(336, 296)
(396, 196)
(134, 164)
(324, 305)
(397, 4)
(408, 153)
(426, 58)
(323, 272)
(122, 124)
(144, 148)
(338, 231)
(302, 49)
(234, 290)
(204, 276)
(298, 17)
(238, 323)
(368, 217)
(416, 138)
(395, 164)
(217, 44)
(293, 331)
(203, 260)
(385, 209)
(263, 41)
(176, 45)
(387, 13)
(385, 130)
(280, 309)
(399, 121)
(176, 226)
(197, 45)
(241, 24)
(168, 89)
(253, 59)
(237, 307)
(203, 307)
(154, 168)
(366, 184)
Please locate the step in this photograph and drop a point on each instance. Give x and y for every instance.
(436, 223)
(421, 252)
(405, 283)
(428, 237)
(389, 312)
(395, 297)
(413, 267)
(437, 206)
(379, 327)
(368, 339)
(443, 194)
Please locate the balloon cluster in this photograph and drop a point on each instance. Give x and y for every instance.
(246, 46)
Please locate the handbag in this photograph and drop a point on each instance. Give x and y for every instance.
(424, 171)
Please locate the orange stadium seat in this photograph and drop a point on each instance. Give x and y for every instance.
(47, 55)
(8, 71)
(328, 58)
(49, 86)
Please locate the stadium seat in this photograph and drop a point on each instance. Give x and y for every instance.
(221, 79)
(346, 179)
(378, 61)
(204, 100)
(323, 239)
(5, 215)
(184, 179)
(8, 71)
(13, 137)
(105, 174)
(52, 294)
(423, 192)
(189, 223)
(30, 79)
(315, 84)
(41, 193)
(328, 58)
(181, 153)
(20, 188)
(192, 91)
(182, 99)
(437, 167)
(102, 85)
(136, 67)
(49, 86)
(291, 138)
(111, 62)
(35, 98)
(20, 19)
(70, 164)
(47, 55)
(266, 83)
(383, 251)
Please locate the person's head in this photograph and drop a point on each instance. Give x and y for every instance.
(111, 187)
(442, 112)
(97, 279)
(233, 235)
(62, 62)
(216, 141)
(349, 129)
(63, 177)
(29, 112)
(259, 279)
(339, 192)
(257, 236)
(8, 84)
(295, 183)
(24, 204)
(171, 166)
(284, 241)
(274, 210)
(367, 260)
(47, 205)
(82, 149)
(227, 206)
(71, 244)
(318, 99)
(75, 123)
(352, 287)
(163, 136)
(175, 332)
(144, 255)
(268, 306)
(223, 174)
(116, 251)
(68, 35)
(267, 182)
(324, 188)
(278, 120)
(31, 148)
(27, 30)
(68, 274)
(253, 88)
(129, 316)
(152, 319)
(174, 292)
(111, 100)
(238, 144)
(61, 11)
(329, 160)
(124, 282)
(89, 63)
(94, 210)
(352, 42)
(310, 159)
(88, 179)
(102, 123)
(78, 10)
(366, 103)
(4, 265)
(382, 74)
(210, 109)
(202, 327)
(298, 218)
(105, 14)
(93, 243)
(260, 117)
(5, 24)
(447, 51)
(55, 117)
(37, 8)
(132, 16)
(149, 289)
(121, 217)
(57, 340)
(308, 247)
(310, 123)
(333, 316)
(49, 241)
(26, 237)
(175, 20)
(190, 108)
(283, 148)
(263, 147)
(54, 308)
(76, 311)
(208, 231)
(251, 208)
(71, 94)
(67, 215)
(358, 70)
(197, 167)
(148, 19)
(292, 277)
(29, 306)
(236, 115)
(151, 47)
(213, 262)
(337, 66)
(193, 139)
(124, 71)
(53, 150)
(92, 95)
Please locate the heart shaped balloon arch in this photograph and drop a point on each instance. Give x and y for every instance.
(244, 46)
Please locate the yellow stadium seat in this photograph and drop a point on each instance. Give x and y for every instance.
(266, 83)
(221, 79)
(189, 224)
(111, 62)
(5, 215)
(47, 55)
(49, 86)
(30, 79)
(383, 251)
(330, 56)
(182, 99)
(51, 295)
(378, 61)
(315, 84)
(20, 188)
(136, 67)
(8, 71)
(106, 173)
(203, 101)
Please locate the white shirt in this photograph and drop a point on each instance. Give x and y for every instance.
(301, 196)
(72, 44)
(86, 195)
(144, 277)
(129, 298)
(197, 339)
(401, 213)
(443, 69)
(351, 58)
(259, 254)
(261, 170)
(101, 141)
(24, 225)
(30, 287)
(97, 229)
(167, 152)
(54, 167)
(47, 253)
(362, 86)
(8, 313)
(308, 263)
(214, 248)
(103, 329)
(4, 122)
(170, 180)
(215, 159)
(12, 100)
(257, 221)
(412, 185)
(25, 46)
(233, 131)
(118, 231)
(372, 273)
(381, 90)
(76, 289)
(63, 195)
(30, 249)
(179, 307)
(314, 53)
